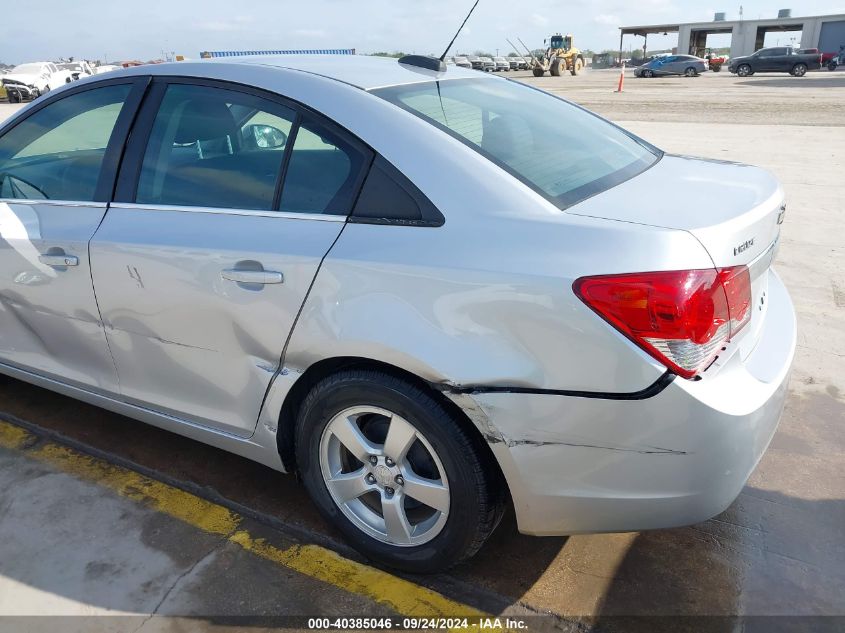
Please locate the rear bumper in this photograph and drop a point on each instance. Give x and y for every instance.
(578, 465)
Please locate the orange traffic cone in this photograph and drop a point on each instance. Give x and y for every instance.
(621, 78)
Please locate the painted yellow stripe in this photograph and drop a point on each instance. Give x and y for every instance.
(314, 561)
(13, 437)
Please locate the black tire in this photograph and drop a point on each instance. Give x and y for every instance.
(577, 65)
(554, 71)
(647, 73)
(475, 483)
(14, 97)
(831, 66)
(690, 72)
(744, 70)
(799, 70)
(538, 72)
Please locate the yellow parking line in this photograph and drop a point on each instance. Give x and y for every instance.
(317, 562)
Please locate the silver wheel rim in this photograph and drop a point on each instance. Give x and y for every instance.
(743, 71)
(384, 476)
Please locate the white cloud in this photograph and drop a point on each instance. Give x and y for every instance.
(320, 33)
(606, 18)
(539, 20)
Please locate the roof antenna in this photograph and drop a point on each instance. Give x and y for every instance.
(435, 63)
(443, 56)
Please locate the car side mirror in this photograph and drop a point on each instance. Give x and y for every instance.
(265, 136)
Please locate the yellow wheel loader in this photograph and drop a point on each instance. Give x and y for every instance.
(559, 57)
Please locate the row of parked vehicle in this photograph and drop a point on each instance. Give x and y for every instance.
(796, 62)
(488, 64)
(33, 79)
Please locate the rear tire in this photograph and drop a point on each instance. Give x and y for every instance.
(370, 404)
(799, 70)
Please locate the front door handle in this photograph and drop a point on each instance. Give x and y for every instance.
(59, 260)
(253, 276)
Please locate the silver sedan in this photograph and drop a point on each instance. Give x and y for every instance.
(432, 293)
(687, 65)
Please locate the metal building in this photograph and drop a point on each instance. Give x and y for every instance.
(825, 32)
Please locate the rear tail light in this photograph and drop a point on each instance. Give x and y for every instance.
(681, 317)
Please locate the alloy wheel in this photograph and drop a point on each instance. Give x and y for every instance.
(384, 475)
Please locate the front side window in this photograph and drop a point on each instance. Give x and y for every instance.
(57, 152)
(213, 147)
(560, 150)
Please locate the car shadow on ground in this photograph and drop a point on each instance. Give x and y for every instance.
(835, 80)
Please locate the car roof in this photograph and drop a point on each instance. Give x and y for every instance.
(363, 71)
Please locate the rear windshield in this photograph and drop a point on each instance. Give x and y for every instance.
(560, 150)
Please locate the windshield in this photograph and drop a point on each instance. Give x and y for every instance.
(70, 66)
(28, 69)
(560, 150)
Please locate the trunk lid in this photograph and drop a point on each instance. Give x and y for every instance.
(735, 211)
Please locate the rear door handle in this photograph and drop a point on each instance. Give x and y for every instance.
(253, 276)
(59, 260)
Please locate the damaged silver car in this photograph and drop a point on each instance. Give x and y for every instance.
(432, 293)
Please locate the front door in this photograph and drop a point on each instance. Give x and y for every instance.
(55, 177)
(200, 277)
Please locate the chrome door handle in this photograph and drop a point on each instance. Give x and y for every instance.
(59, 260)
(253, 276)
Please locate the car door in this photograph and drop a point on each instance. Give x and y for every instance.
(227, 202)
(57, 170)
(770, 59)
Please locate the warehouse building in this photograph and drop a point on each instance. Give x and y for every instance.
(825, 32)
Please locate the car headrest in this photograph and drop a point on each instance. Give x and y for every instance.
(507, 137)
(205, 120)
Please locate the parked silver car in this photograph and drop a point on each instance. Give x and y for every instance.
(687, 65)
(430, 292)
(501, 64)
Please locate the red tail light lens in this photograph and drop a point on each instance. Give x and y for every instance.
(680, 317)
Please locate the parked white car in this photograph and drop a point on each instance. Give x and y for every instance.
(39, 77)
(105, 68)
(77, 69)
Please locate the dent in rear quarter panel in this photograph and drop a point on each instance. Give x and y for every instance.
(485, 301)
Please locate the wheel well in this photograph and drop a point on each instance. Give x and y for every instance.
(324, 368)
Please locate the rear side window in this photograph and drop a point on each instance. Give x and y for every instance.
(213, 147)
(560, 150)
(57, 152)
(324, 173)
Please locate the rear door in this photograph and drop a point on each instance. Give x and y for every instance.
(57, 169)
(227, 202)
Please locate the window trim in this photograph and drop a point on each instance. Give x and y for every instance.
(130, 169)
(107, 179)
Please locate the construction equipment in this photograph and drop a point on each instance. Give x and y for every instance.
(714, 60)
(560, 56)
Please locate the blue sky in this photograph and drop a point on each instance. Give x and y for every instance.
(120, 29)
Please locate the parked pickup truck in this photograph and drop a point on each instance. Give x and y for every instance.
(776, 60)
